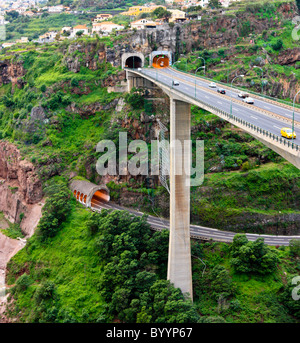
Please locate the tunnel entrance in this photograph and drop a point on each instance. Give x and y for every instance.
(100, 196)
(133, 62)
(161, 61)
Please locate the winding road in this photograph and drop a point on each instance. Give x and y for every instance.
(197, 232)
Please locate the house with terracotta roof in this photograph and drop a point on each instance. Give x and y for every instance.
(79, 28)
(106, 27)
(101, 17)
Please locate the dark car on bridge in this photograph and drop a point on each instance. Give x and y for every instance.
(221, 91)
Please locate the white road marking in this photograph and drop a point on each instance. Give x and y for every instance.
(253, 117)
(277, 127)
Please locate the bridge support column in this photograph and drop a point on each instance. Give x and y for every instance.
(179, 264)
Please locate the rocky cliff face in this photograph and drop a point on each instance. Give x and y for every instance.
(89, 55)
(20, 187)
(11, 73)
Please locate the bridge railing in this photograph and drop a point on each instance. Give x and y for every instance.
(232, 117)
(282, 102)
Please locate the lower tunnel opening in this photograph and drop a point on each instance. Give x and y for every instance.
(133, 62)
(161, 61)
(101, 196)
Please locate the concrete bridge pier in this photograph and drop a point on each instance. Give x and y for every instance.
(179, 263)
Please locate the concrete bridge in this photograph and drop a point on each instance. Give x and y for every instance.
(262, 120)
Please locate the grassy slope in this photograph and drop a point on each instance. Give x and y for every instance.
(70, 261)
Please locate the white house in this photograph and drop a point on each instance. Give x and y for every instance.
(56, 9)
(22, 40)
(48, 37)
(106, 27)
(7, 45)
(101, 17)
(79, 28)
(142, 24)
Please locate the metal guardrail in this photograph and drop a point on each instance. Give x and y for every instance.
(279, 101)
(253, 127)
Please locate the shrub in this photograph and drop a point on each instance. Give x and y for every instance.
(55, 211)
(277, 45)
(252, 257)
(246, 166)
(23, 283)
(295, 247)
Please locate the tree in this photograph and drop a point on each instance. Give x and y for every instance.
(79, 33)
(135, 98)
(214, 4)
(13, 14)
(56, 209)
(131, 257)
(160, 12)
(277, 45)
(252, 257)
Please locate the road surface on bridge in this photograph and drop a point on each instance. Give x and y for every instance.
(267, 115)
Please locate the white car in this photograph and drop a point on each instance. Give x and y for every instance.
(175, 83)
(243, 95)
(248, 100)
(212, 85)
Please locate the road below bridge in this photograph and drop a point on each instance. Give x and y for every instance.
(197, 232)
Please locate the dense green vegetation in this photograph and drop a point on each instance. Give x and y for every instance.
(111, 266)
(115, 260)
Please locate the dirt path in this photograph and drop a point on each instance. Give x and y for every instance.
(9, 247)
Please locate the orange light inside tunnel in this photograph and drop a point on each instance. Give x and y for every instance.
(161, 61)
(100, 196)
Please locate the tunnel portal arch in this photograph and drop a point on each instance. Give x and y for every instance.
(161, 59)
(133, 60)
(88, 193)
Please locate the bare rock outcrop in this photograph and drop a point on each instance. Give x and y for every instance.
(20, 187)
(84, 55)
(289, 56)
(11, 73)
